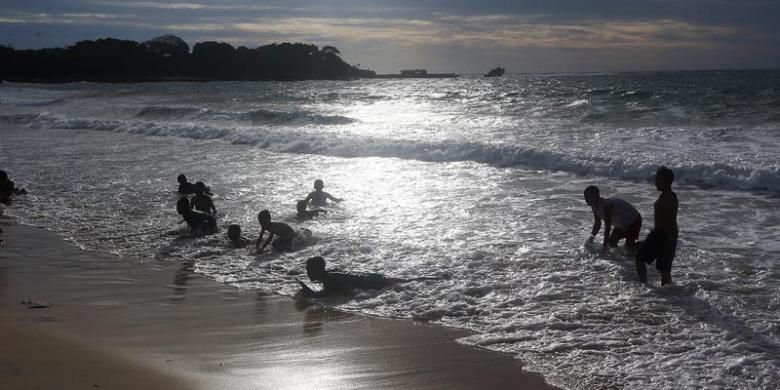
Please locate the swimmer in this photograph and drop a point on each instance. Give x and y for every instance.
(617, 213)
(284, 233)
(341, 283)
(234, 237)
(304, 214)
(318, 197)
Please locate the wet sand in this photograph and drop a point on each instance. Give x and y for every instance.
(142, 323)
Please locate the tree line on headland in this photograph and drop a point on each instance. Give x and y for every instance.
(169, 58)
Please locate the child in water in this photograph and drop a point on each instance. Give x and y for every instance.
(8, 188)
(284, 233)
(304, 214)
(199, 223)
(234, 237)
(661, 244)
(185, 187)
(318, 197)
(201, 201)
(341, 282)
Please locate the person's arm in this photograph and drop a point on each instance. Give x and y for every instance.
(308, 292)
(213, 208)
(596, 225)
(268, 241)
(259, 238)
(309, 197)
(331, 197)
(607, 224)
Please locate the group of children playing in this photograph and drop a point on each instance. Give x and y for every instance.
(622, 220)
(199, 213)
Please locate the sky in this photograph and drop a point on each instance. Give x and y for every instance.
(462, 36)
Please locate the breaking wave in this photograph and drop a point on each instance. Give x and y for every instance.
(707, 175)
(258, 116)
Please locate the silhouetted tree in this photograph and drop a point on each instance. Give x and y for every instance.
(168, 56)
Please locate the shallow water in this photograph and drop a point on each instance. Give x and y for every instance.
(476, 183)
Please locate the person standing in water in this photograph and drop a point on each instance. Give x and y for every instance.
(617, 213)
(318, 197)
(661, 244)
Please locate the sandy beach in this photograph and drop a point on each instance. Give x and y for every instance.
(119, 323)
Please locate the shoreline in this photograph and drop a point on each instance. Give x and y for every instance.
(167, 322)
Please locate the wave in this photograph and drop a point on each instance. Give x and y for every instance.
(259, 116)
(706, 175)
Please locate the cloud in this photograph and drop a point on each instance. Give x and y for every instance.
(502, 31)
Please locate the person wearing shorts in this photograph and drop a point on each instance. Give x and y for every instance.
(621, 219)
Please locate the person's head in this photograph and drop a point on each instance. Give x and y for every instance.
(319, 185)
(264, 217)
(183, 205)
(181, 179)
(315, 268)
(663, 178)
(234, 232)
(592, 195)
(301, 206)
(3, 175)
(200, 187)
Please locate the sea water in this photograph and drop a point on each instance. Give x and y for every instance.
(474, 183)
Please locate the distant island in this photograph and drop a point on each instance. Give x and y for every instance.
(413, 74)
(168, 58)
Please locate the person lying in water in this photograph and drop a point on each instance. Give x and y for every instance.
(284, 233)
(201, 201)
(199, 223)
(304, 214)
(318, 197)
(234, 237)
(341, 283)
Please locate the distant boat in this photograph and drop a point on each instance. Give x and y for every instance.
(497, 72)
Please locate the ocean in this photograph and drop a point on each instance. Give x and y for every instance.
(473, 183)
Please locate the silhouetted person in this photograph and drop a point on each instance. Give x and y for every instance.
(318, 197)
(8, 187)
(617, 213)
(304, 214)
(201, 201)
(284, 233)
(234, 237)
(185, 187)
(199, 223)
(661, 244)
(341, 283)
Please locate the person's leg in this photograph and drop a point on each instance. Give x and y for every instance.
(616, 236)
(633, 234)
(641, 270)
(664, 264)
